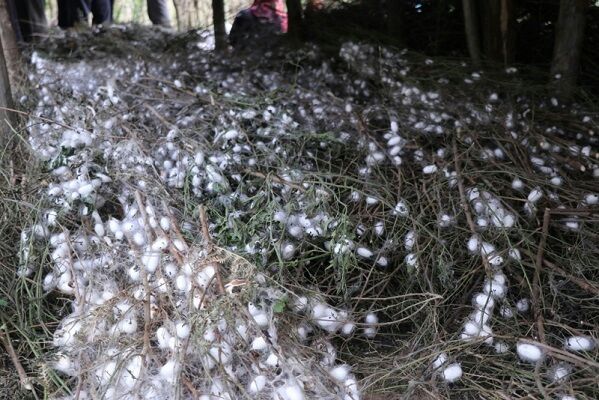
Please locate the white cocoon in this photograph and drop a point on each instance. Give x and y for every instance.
(579, 343)
(340, 372)
(529, 352)
(452, 373)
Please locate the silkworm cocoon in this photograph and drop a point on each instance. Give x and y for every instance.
(591, 199)
(529, 352)
(139, 238)
(170, 270)
(429, 169)
(151, 261)
(272, 360)
(300, 303)
(495, 260)
(370, 201)
(104, 374)
(182, 283)
(370, 332)
(261, 319)
(290, 392)
(340, 372)
(481, 316)
(579, 343)
(487, 333)
(517, 184)
(486, 249)
(495, 289)
(179, 245)
(287, 251)
(348, 328)
(501, 347)
(471, 328)
(295, 231)
(452, 373)
(371, 319)
(440, 360)
(514, 254)
(161, 243)
(401, 209)
(482, 223)
(257, 384)
(132, 372)
(205, 276)
(411, 260)
(483, 300)
(535, 195)
(559, 372)
(259, 344)
(65, 365)
(382, 261)
(379, 228)
(364, 252)
(182, 329)
(410, 240)
(474, 244)
(169, 371)
(506, 312)
(127, 326)
(523, 305)
(556, 181)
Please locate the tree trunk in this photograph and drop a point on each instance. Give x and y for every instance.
(472, 35)
(294, 14)
(9, 42)
(498, 30)
(6, 117)
(569, 35)
(218, 19)
(394, 23)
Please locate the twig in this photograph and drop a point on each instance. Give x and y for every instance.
(578, 281)
(144, 276)
(536, 282)
(25, 381)
(209, 248)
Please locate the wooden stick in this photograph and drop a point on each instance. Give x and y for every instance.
(536, 282)
(25, 381)
(144, 277)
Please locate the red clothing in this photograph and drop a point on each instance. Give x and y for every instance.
(272, 11)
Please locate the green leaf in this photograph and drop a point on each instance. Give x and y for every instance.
(279, 305)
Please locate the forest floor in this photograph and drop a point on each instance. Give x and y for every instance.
(290, 225)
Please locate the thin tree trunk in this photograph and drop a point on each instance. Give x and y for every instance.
(9, 42)
(218, 19)
(498, 31)
(472, 36)
(6, 117)
(567, 50)
(294, 13)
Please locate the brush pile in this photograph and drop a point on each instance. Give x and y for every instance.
(299, 226)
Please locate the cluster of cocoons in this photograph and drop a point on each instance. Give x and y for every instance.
(116, 258)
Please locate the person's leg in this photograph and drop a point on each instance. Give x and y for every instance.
(100, 12)
(69, 13)
(244, 25)
(38, 24)
(158, 13)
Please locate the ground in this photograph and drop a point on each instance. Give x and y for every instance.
(288, 224)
